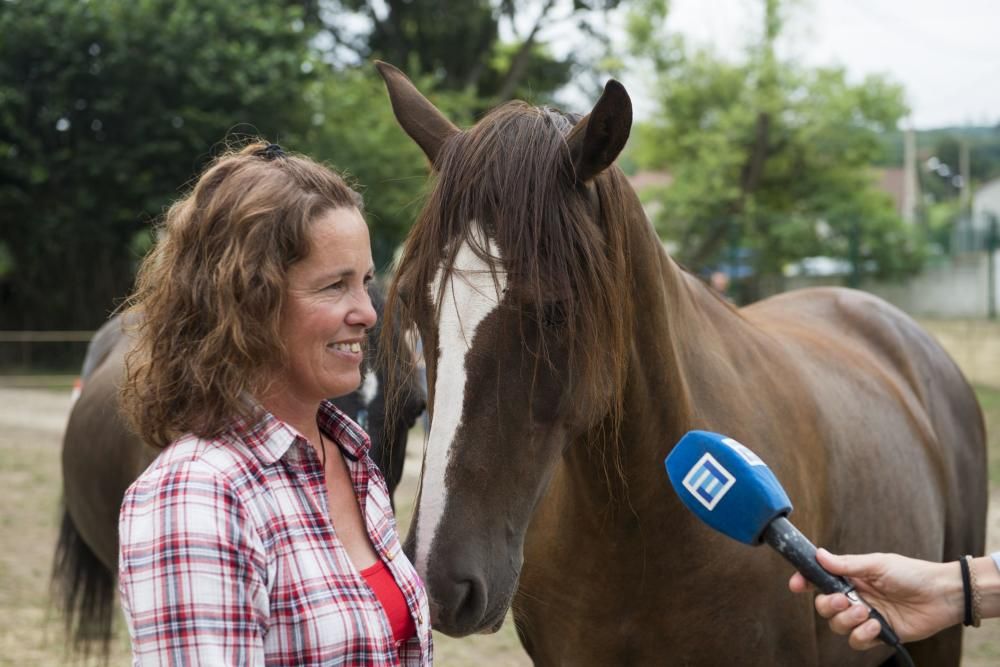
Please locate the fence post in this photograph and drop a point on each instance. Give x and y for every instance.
(991, 247)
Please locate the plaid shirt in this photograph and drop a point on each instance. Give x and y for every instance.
(228, 555)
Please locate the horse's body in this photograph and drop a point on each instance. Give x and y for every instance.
(563, 369)
(868, 459)
(101, 457)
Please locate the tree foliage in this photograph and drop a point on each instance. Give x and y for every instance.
(104, 120)
(354, 130)
(466, 50)
(769, 155)
(108, 108)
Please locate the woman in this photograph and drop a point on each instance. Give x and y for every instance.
(263, 533)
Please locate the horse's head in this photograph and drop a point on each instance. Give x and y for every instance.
(515, 276)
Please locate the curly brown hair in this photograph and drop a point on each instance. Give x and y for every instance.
(209, 295)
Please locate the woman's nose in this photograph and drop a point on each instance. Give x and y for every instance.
(364, 312)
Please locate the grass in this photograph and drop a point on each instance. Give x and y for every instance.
(29, 497)
(989, 400)
(46, 381)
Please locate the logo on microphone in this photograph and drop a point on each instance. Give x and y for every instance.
(744, 451)
(708, 481)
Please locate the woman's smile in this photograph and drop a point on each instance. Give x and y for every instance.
(349, 349)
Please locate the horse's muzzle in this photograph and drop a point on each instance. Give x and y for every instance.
(458, 604)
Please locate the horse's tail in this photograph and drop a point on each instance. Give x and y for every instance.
(83, 587)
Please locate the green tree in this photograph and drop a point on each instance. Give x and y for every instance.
(768, 155)
(457, 57)
(353, 128)
(462, 50)
(107, 108)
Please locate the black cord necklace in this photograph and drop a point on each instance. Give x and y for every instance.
(322, 449)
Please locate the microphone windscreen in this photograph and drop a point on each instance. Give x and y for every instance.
(728, 486)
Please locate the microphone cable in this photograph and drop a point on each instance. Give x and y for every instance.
(886, 634)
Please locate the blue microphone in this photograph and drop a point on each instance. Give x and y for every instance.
(732, 490)
(728, 486)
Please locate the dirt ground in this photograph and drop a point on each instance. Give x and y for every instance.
(31, 427)
(31, 424)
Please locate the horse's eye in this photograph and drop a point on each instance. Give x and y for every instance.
(554, 315)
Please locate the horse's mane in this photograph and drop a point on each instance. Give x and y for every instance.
(563, 242)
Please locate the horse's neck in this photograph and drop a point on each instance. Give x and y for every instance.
(683, 331)
(612, 481)
(682, 344)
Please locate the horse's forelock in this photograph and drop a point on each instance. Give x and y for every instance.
(512, 175)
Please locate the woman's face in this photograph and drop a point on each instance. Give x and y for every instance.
(327, 310)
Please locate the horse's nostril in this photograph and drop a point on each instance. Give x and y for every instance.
(468, 599)
(461, 607)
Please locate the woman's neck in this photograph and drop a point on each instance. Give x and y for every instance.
(297, 413)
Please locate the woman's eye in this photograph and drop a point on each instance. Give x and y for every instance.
(336, 286)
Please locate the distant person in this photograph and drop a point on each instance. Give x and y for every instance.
(918, 598)
(719, 280)
(263, 533)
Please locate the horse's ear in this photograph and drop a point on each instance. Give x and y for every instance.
(597, 140)
(418, 117)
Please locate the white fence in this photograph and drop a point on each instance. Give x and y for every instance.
(956, 289)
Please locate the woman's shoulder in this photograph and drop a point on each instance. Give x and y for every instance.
(191, 460)
(194, 487)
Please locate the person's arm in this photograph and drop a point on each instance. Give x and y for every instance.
(988, 582)
(918, 598)
(188, 575)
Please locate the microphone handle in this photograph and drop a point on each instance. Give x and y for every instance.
(796, 548)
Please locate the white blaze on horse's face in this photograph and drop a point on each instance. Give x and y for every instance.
(469, 296)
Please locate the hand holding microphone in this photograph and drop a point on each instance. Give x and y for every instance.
(732, 490)
(919, 597)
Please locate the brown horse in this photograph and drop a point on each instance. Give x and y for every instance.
(566, 355)
(101, 457)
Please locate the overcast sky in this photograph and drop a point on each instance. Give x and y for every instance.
(946, 53)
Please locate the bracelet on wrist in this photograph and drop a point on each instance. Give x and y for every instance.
(971, 597)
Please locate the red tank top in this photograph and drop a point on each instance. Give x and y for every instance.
(380, 580)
